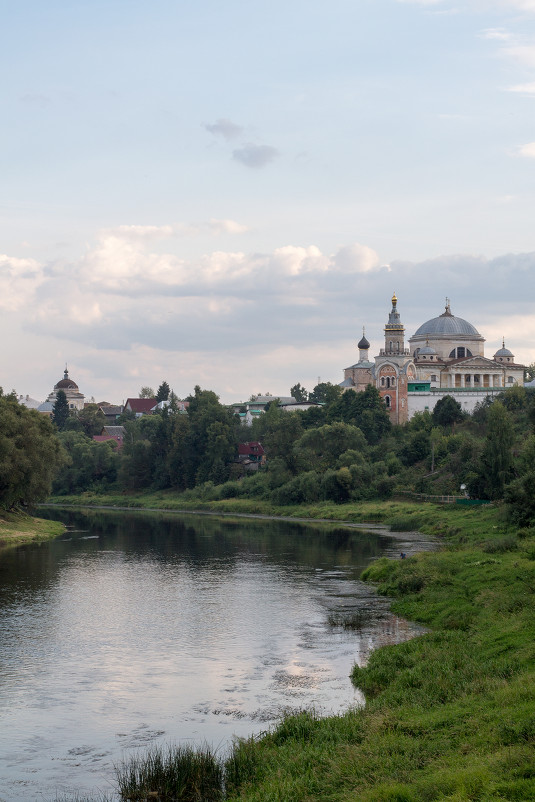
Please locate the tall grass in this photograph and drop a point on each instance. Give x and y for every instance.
(171, 774)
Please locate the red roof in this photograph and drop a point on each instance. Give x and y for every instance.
(244, 449)
(101, 438)
(140, 405)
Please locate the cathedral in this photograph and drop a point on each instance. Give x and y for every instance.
(445, 356)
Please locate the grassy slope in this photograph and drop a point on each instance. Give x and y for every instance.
(451, 714)
(17, 527)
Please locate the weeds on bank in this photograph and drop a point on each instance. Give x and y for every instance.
(174, 774)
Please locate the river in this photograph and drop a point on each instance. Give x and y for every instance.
(135, 629)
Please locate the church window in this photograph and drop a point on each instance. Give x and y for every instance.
(382, 381)
(387, 401)
(433, 377)
(388, 381)
(392, 381)
(460, 352)
(510, 380)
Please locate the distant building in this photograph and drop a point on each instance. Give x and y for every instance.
(251, 455)
(26, 401)
(116, 433)
(75, 398)
(140, 406)
(445, 357)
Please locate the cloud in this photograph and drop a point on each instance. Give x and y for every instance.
(142, 232)
(356, 259)
(499, 34)
(126, 305)
(524, 89)
(19, 280)
(528, 150)
(255, 156)
(227, 227)
(225, 128)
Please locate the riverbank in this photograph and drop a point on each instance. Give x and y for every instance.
(440, 521)
(450, 714)
(17, 528)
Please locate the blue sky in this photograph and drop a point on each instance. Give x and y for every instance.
(223, 194)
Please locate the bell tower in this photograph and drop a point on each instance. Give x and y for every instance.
(394, 332)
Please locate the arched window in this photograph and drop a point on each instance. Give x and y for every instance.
(387, 401)
(382, 381)
(388, 381)
(392, 381)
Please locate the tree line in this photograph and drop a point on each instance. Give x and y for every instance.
(344, 450)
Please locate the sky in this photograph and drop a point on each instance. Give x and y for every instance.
(225, 194)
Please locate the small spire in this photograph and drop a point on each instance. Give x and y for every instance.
(394, 300)
(448, 310)
(503, 342)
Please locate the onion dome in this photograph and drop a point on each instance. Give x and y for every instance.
(65, 383)
(363, 344)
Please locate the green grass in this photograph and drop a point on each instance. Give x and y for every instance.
(18, 527)
(172, 774)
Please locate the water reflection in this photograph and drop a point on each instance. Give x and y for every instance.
(134, 628)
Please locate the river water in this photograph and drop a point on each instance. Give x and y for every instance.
(135, 629)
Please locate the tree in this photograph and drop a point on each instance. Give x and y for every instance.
(325, 393)
(60, 410)
(91, 419)
(321, 448)
(298, 392)
(447, 411)
(365, 410)
(497, 457)
(163, 392)
(30, 454)
(89, 464)
(146, 392)
(529, 372)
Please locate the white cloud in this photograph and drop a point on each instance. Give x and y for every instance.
(523, 89)
(142, 232)
(527, 150)
(19, 279)
(499, 34)
(356, 259)
(227, 227)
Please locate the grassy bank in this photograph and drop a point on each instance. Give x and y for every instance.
(448, 521)
(450, 715)
(17, 527)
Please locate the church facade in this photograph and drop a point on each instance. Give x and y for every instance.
(445, 356)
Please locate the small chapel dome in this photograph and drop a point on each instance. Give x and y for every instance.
(364, 344)
(427, 350)
(504, 353)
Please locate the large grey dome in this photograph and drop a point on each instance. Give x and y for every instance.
(447, 324)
